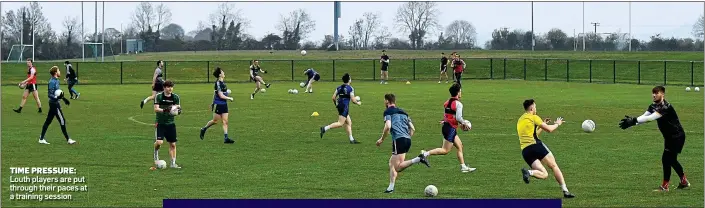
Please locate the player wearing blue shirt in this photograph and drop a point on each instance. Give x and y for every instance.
(55, 107)
(220, 105)
(313, 76)
(341, 99)
(398, 124)
(255, 69)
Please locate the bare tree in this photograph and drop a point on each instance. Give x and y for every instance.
(417, 19)
(143, 17)
(163, 14)
(356, 33)
(71, 29)
(12, 26)
(226, 12)
(699, 26)
(295, 27)
(382, 36)
(461, 32)
(372, 23)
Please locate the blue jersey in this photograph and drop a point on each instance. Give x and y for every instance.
(310, 73)
(344, 93)
(401, 123)
(219, 87)
(53, 86)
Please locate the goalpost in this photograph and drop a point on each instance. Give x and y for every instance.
(18, 53)
(96, 49)
(621, 40)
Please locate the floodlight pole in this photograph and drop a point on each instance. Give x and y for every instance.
(83, 37)
(102, 41)
(583, 24)
(533, 41)
(122, 36)
(630, 26)
(32, 42)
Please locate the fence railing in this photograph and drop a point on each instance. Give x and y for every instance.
(666, 72)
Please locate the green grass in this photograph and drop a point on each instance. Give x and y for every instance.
(278, 153)
(683, 68)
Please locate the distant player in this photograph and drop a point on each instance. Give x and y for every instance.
(255, 69)
(31, 87)
(452, 119)
(398, 123)
(535, 153)
(444, 68)
(165, 127)
(342, 97)
(313, 76)
(673, 134)
(220, 105)
(157, 83)
(384, 60)
(71, 79)
(55, 107)
(458, 67)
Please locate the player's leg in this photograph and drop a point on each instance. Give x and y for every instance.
(443, 150)
(459, 146)
(226, 138)
(386, 76)
(38, 101)
(62, 121)
(342, 118)
(676, 149)
(151, 97)
(72, 89)
(262, 81)
(258, 86)
(392, 173)
(158, 140)
(348, 128)
(667, 162)
(47, 122)
(171, 138)
(550, 161)
(449, 134)
(24, 100)
(216, 118)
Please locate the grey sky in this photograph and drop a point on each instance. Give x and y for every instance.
(648, 18)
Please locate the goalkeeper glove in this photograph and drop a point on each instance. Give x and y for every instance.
(627, 122)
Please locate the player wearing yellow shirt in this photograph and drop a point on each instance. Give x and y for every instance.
(534, 151)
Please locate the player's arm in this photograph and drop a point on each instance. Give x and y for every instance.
(221, 95)
(31, 75)
(650, 115)
(459, 112)
(385, 130)
(354, 99)
(539, 130)
(154, 78)
(545, 126)
(464, 65)
(412, 128)
(335, 95)
(156, 105)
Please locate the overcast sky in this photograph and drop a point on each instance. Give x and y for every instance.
(647, 18)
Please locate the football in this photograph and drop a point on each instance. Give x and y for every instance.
(294, 91)
(58, 93)
(302, 84)
(161, 164)
(467, 125)
(175, 110)
(687, 89)
(697, 89)
(228, 91)
(262, 90)
(303, 52)
(430, 191)
(588, 126)
(22, 86)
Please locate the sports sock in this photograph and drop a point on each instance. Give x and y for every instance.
(226, 137)
(19, 109)
(173, 161)
(426, 153)
(391, 187)
(416, 160)
(326, 128)
(531, 172)
(156, 154)
(564, 188)
(145, 100)
(684, 180)
(463, 166)
(208, 125)
(351, 138)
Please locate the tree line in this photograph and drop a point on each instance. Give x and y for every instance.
(226, 28)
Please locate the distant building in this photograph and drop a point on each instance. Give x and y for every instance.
(134, 46)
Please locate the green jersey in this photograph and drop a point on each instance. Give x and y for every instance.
(165, 102)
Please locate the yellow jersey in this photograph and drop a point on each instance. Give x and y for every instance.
(526, 129)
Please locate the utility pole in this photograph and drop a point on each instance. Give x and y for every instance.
(533, 41)
(595, 24)
(583, 24)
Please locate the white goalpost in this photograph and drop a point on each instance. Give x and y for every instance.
(622, 40)
(18, 53)
(97, 48)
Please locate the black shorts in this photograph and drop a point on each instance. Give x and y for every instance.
(444, 68)
(449, 132)
(674, 145)
(167, 131)
(401, 146)
(315, 77)
(72, 81)
(534, 152)
(158, 87)
(31, 87)
(221, 108)
(385, 68)
(343, 110)
(253, 78)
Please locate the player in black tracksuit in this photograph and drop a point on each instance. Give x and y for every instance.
(71, 79)
(673, 134)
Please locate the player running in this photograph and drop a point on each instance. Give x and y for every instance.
(444, 68)
(453, 118)
(30, 87)
(71, 79)
(458, 66)
(255, 69)
(55, 107)
(220, 104)
(165, 127)
(535, 153)
(673, 134)
(342, 97)
(398, 123)
(313, 76)
(384, 73)
(157, 83)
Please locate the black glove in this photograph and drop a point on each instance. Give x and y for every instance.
(265, 72)
(627, 122)
(179, 111)
(61, 96)
(66, 101)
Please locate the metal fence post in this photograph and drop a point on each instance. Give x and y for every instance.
(292, 70)
(333, 69)
(77, 68)
(374, 63)
(524, 69)
(208, 71)
(165, 72)
(414, 61)
(567, 70)
(505, 69)
(590, 71)
(638, 72)
(614, 71)
(121, 72)
(691, 74)
(545, 70)
(664, 72)
(491, 69)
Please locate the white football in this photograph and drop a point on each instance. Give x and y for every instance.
(467, 126)
(303, 52)
(588, 126)
(175, 110)
(295, 91)
(229, 91)
(161, 164)
(57, 93)
(697, 89)
(430, 191)
(357, 98)
(290, 91)
(302, 84)
(687, 89)
(262, 90)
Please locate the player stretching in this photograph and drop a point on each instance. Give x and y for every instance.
(341, 99)
(255, 69)
(165, 126)
(313, 76)
(453, 118)
(444, 68)
(31, 87)
(458, 67)
(157, 83)
(384, 74)
(533, 150)
(55, 107)
(398, 123)
(673, 134)
(220, 99)
(71, 79)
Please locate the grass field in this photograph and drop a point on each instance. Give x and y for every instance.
(278, 153)
(682, 68)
